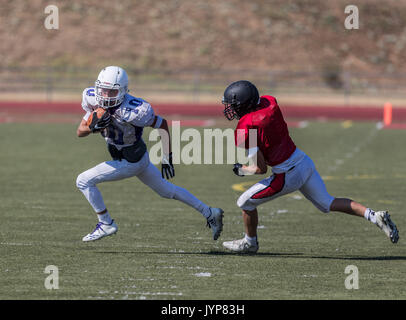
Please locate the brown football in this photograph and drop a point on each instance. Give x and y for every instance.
(99, 111)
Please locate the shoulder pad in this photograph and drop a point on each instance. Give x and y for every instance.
(271, 99)
(137, 111)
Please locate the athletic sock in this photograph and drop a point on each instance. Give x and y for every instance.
(105, 218)
(251, 240)
(370, 215)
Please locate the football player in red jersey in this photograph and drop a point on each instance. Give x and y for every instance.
(292, 169)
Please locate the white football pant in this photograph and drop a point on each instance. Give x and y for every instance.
(303, 177)
(144, 170)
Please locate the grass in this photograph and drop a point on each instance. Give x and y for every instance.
(164, 251)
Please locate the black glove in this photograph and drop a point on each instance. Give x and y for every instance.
(236, 169)
(167, 167)
(100, 123)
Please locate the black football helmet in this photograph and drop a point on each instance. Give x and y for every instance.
(240, 98)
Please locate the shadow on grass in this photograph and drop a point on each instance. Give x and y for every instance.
(295, 255)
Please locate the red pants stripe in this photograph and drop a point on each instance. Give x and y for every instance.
(276, 185)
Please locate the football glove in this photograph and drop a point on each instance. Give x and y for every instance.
(236, 169)
(167, 167)
(100, 123)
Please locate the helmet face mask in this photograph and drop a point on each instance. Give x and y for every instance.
(230, 109)
(111, 87)
(239, 98)
(106, 96)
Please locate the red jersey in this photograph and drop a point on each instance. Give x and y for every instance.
(272, 132)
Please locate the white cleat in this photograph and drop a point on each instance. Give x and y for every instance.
(215, 222)
(101, 230)
(241, 246)
(384, 222)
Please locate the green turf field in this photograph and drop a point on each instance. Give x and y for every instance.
(163, 249)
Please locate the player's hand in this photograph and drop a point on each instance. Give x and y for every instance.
(100, 123)
(237, 169)
(167, 167)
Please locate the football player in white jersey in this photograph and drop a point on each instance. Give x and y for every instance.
(122, 126)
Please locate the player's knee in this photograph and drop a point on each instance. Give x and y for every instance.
(244, 203)
(166, 194)
(240, 202)
(82, 181)
(166, 191)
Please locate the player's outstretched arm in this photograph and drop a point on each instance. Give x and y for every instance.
(167, 170)
(165, 137)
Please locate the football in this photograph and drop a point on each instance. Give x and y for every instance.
(99, 111)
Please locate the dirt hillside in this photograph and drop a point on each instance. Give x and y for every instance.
(211, 34)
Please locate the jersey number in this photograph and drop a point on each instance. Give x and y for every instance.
(135, 102)
(90, 92)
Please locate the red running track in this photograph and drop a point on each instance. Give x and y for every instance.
(212, 110)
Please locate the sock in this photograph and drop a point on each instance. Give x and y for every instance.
(251, 240)
(370, 215)
(105, 218)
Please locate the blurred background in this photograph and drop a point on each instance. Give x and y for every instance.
(189, 51)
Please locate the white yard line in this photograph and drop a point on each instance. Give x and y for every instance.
(354, 150)
(15, 244)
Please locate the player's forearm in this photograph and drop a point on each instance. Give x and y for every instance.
(165, 137)
(258, 164)
(83, 130)
(253, 169)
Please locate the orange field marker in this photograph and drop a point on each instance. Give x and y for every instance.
(387, 114)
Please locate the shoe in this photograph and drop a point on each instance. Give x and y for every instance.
(241, 246)
(384, 222)
(101, 230)
(215, 222)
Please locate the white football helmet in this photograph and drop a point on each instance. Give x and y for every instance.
(111, 86)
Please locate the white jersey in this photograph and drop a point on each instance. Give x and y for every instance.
(128, 119)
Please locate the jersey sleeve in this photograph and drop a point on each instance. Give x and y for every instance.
(88, 102)
(142, 116)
